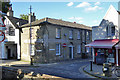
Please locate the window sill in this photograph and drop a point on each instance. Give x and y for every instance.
(70, 38)
(58, 38)
(57, 54)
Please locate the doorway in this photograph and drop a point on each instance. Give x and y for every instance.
(71, 52)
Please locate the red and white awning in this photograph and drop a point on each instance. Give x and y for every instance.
(104, 43)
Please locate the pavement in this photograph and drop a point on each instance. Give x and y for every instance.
(97, 71)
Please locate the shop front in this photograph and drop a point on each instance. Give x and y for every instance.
(104, 51)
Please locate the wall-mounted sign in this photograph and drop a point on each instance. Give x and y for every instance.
(39, 50)
(64, 44)
(51, 49)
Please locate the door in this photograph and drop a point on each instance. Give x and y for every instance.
(71, 52)
(9, 52)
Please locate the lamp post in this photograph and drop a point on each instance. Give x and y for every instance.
(31, 60)
(82, 53)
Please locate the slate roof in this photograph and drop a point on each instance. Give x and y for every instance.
(57, 22)
(15, 20)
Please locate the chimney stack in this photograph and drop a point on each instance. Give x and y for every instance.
(10, 12)
(33, 17)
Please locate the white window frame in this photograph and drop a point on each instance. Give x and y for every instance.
(58, 52)
(70, 34)
(78, 49)
(88, 35)
(78, 34)
(58, 32)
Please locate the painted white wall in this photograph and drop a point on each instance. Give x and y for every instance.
(12, 38)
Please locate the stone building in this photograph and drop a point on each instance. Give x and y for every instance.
(55, 40)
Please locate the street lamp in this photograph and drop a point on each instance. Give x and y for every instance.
(31, 60)
(82, 51)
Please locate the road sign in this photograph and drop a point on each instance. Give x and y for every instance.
(64, 44)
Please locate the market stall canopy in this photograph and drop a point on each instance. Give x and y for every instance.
(103, 43)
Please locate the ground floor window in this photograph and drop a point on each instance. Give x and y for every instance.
(57, 49)
(78, 48)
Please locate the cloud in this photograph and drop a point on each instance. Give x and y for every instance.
(70, 4)
(97, 3)
(76, 19)
(83, 4)
(93, 8)
(80, 21)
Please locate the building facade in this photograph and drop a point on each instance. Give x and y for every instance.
(10, 48)
(108, 28)
(55, 40)
(106, 39)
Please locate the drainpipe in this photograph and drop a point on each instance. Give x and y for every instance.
(117, 56)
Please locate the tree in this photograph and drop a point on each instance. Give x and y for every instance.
(5, 6)
(24, 16)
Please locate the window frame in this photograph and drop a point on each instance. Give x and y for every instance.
(112, 34)
(58, 32)
(78, 35)
(78, 49)
(71, 34)
(58, 52)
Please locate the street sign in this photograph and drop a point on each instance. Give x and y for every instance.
(64, 44)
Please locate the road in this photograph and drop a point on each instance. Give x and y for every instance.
(70, 69)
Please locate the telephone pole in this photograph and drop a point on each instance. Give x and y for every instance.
(31, 60)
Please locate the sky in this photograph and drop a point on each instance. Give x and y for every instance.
(87, 13)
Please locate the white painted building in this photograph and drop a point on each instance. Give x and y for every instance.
(10, 48)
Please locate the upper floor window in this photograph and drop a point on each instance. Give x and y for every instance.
(57, 49)
(88, 35)
(58, 32)
(71, 34)
(78, 35)
(113, 30)
(10, 31)
(110, 30)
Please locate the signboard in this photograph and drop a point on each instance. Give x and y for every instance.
(2, 34)
(64, 44)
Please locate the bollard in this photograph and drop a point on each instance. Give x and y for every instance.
(31, 61)
(90, 65)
